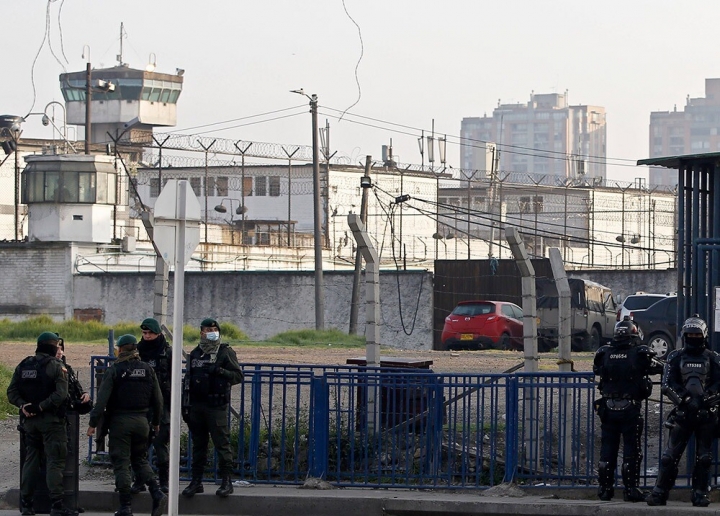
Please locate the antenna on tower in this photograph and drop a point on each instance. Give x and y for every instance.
(122, 34)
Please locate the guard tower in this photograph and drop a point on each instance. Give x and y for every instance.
(139, 101)
(698, 237)
(70, 197)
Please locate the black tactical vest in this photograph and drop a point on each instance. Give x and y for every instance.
(694, 370)
(133, 386)
(157, 357)
(621, 378)
(35, 384)
(213, 390)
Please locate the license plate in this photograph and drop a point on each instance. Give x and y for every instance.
(466, 336)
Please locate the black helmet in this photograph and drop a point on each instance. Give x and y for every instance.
(695, 333)
(627, 331)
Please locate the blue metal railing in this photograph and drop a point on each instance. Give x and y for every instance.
(385, 427)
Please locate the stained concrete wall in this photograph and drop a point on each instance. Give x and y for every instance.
(263, 304)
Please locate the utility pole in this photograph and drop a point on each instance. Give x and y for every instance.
(88, 101)
(355, 298)
(317, 222)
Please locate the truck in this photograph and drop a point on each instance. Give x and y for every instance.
(592, 311)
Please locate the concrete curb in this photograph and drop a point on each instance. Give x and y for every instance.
(273, 500)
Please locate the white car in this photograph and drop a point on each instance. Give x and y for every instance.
(636, 302)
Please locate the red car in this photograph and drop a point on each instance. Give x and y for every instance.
(483, 325)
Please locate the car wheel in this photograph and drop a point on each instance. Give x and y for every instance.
(660, 344)
(504, 342)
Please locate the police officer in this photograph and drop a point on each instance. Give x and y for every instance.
(211, 371)
(624, 367)
(692, 382)
(39, 386)
(128, 390)
(156, 351)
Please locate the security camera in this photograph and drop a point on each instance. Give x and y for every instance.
(134, 121)
(45, 120)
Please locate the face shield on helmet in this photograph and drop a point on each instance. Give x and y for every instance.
(695, 333)
(626, 331)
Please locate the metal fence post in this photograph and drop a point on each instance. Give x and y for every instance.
(511, 428)
(320, 417)
(255, 419)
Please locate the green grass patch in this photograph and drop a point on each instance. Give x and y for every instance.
(5, 407)
(95, 332)
(317, 339)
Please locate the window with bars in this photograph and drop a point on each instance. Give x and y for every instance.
(261, 186)
(154, 186)
(274, 186)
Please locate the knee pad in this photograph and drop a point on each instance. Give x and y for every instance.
(667, 461)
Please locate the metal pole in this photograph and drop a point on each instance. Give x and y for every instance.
(176, 373)
(355, 297)
(289, 217)
(88, 100)
(317, 222)
(205, 188)
(16, 139)
(242, 188)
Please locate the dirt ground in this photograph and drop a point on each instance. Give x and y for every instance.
(78, 355)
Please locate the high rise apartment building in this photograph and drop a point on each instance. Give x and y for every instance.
(694, 130)
(544, 136)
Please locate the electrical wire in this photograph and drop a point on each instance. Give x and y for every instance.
(357, 65)
(236, 119)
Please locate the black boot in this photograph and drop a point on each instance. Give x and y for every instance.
(163, 477)
(657, 497)
(633, 494)
(59, 509)
(137, 487)
(125, 505)
(26, 506)
(159, 500)
(700, 499)
(195, 486)
(226, 488)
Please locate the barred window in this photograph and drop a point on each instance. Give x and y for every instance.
(274, 186)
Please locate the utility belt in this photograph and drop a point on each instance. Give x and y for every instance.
(617, 404)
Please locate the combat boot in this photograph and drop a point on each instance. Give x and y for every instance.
(194, 487)
(226, 487)
(657, 498)
(58, 509)
(159, 499)
(633, 494)
(26, 506)
(700, 499)
(137, 487)
(125, 505)
(606, 494)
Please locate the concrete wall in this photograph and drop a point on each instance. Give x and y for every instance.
(263, 304)
(35, 279)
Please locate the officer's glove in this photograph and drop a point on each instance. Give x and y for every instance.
(211, 368)
(33, 408)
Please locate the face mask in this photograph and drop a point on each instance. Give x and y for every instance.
(212, 335)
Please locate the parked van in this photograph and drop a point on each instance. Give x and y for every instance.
(592, 311)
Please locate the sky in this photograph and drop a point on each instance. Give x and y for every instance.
(393, 66)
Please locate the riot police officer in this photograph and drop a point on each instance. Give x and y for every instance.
(129, 389)
(624, 367)
(211, 371)
(692, 382)
(157, 352)
(39, 386)
(78, 398)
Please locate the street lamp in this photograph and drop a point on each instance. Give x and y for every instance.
(240, 210)
(317, 210)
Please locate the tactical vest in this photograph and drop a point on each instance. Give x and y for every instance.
(694, 370)
(158, 358)
(213, 390)
(35, 385)
(621, 377)
(133, 386)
